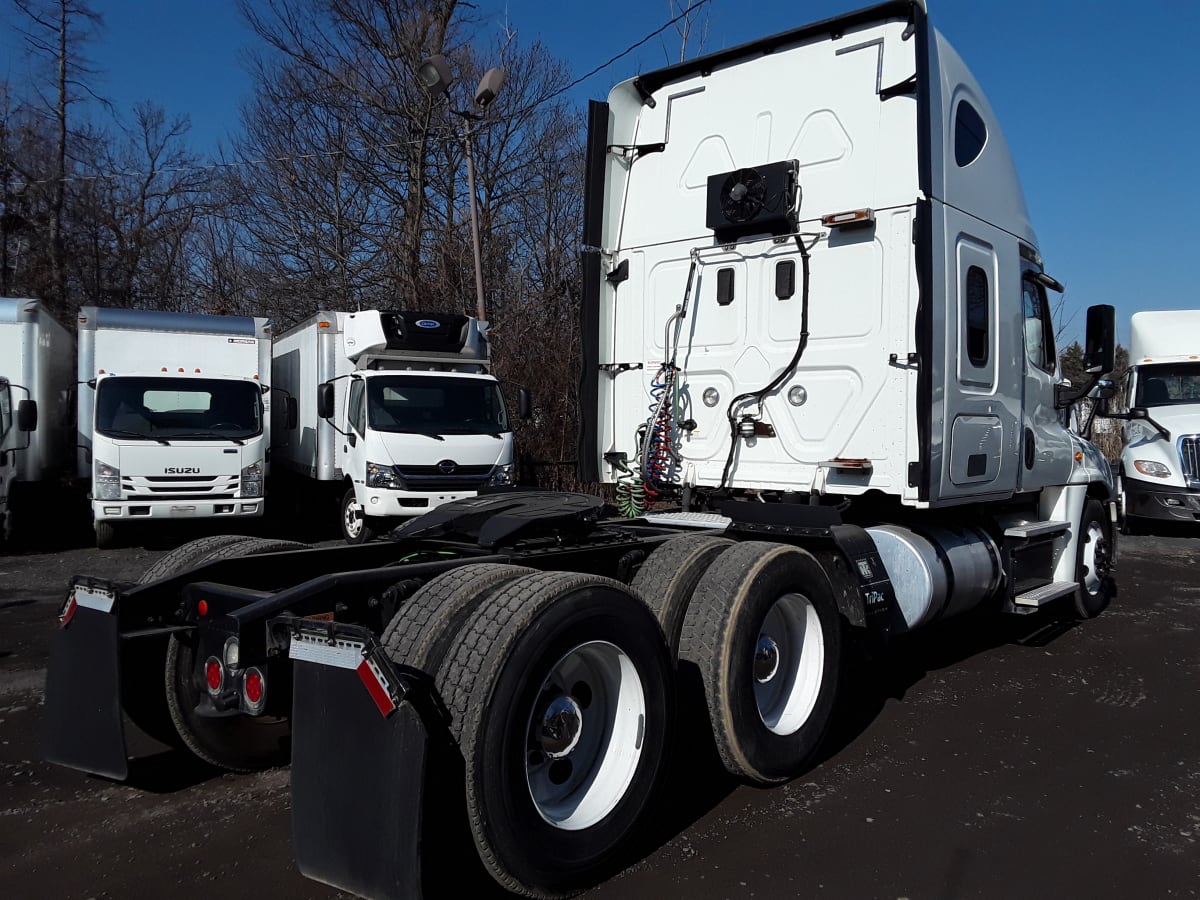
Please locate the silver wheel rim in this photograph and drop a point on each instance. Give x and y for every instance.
(1095, 558)
(584, 737)
(788, 664)
(352, 520)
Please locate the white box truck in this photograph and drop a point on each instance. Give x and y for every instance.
(1160, 448)
(396, 410)
(173, 416)
(36, 373)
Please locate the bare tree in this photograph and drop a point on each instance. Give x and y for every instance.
(689, 23)
(55, 30)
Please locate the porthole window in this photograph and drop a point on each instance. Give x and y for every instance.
(970, 134)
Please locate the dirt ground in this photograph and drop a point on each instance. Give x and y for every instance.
(1031, 757)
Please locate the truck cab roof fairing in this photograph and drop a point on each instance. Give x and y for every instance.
(985, 184)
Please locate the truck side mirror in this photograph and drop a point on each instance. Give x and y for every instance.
(524, 403)
(27, 415)
(291, 413)
(1099, 356)
(325, 400)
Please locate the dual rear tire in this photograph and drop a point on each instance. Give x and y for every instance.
(560, 697)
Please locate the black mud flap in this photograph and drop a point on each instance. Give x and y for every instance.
(82, 725)
(359, 756)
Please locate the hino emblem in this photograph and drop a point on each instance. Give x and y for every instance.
(447, 467)
(181, 470)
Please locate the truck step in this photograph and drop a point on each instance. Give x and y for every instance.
(689, 519)
(1036, 529)
(1040, 596)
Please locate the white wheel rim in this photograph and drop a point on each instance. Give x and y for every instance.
(788, 664)
(584, 737)
(1093, 577)
(353, 518)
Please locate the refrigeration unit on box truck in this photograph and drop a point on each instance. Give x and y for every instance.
(1160, 448)
(36, 367)
(174, 416)
(396, 411)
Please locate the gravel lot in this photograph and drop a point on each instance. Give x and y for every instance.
(1031, 759)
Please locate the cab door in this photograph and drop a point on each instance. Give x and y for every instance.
(1045, 443)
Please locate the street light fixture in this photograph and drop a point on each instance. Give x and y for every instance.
(434, 75)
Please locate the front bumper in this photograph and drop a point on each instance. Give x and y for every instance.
(391, 504)
(132, 510)
(1149, 501)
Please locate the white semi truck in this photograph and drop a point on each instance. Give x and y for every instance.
(36, 373)
(396, 410)
(173, 416)
(815, 315)
(1160, 452)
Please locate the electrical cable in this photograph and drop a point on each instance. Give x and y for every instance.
(786, 373)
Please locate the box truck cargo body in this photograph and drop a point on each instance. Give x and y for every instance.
(411, 417)
(36, 363)
(1160, 456)
(174, 415)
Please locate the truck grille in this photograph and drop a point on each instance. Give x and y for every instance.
(179, 487)
(429, 478)
(1189, 458)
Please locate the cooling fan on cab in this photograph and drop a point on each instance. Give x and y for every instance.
(758, 200)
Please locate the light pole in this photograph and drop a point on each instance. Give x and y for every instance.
(434, 74)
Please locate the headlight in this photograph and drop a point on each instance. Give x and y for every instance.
(106, 485)
(501, 476)
(383, 477)
(1151, 468)
(252, 480)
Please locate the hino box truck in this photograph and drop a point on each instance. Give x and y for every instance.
(815, 319)
(1160, 448)
(396, 412)
(173, 416)
(36, 362)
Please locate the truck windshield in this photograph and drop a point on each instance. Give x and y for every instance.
(192, 408)
(432, 405)
(1168, 385)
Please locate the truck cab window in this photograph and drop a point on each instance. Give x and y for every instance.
(978, 315)
(970, 134)
(1164, 385)
(1039, 328)
(355, 408)
(165, 407)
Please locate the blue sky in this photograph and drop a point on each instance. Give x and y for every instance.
(1098, 101)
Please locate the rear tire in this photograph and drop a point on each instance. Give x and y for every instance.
(237, 742)
(357, 527)
(429, 621)
(1093, 561)
(669, 576)
(183, 556)
(763, 630)
(560, 696)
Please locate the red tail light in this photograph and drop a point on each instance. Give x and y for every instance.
(214, 675)
(254, 686)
